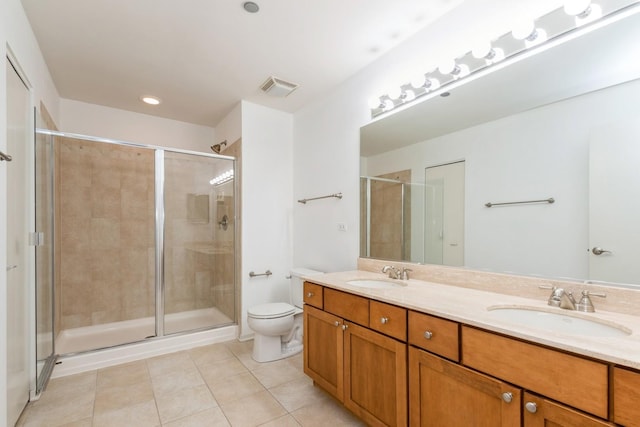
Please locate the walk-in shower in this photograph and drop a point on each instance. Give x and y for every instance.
(140, 250)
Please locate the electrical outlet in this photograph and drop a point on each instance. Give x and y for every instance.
(342, 226)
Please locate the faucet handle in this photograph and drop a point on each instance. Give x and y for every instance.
(585, 304)
(405, 273)
(556, 294)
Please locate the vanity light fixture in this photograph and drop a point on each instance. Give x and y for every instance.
(525, 37)
(151, 100)
(222, 178)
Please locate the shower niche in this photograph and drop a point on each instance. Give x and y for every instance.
(138, 254)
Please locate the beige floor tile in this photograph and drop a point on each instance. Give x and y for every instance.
(297, 361)
(122, 375)
(253, 410)
(326, 413)
(66, 388)
(218, 371)
(184, 402)
(286, 421)
(298, 393)
(240, 347)
(170, 363)
(171, 382)
(235, 387)
(43, 413)
(210, 353)
(276, 373)
(209, 418)
(140, 415)
(87, 422)
(117, 397)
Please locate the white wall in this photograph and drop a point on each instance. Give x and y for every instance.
(18, 42)
(267, 142)
(97, 120)
(326, 133)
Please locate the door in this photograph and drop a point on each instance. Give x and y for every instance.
(444, 394)
(18, 136)
(614, 208)
(444, 214)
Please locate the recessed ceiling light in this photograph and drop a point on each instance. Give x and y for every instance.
(151, 100)
(251, 7)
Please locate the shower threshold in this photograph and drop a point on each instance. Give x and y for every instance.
(86, 338)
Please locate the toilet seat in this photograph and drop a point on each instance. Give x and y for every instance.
(272, 310)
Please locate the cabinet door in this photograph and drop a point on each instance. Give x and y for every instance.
(540, 412)
(375, 377)
(446, 394)
(323, 350)
(626, 395)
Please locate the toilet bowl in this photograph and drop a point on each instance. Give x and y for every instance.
(277, 326)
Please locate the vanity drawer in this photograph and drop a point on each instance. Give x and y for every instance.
(578, 382)
(312, 294)
(434, 334)
(388, 319)
(347, 306)
(626, 395)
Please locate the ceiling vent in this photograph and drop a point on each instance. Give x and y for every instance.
(277, 87)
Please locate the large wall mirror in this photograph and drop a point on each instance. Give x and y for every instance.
(560, 129)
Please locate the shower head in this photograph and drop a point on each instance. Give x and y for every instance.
(217, 148)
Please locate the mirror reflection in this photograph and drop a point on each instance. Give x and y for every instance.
(440, 180)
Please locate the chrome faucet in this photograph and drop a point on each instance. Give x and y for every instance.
(395, 273)
(561, 298)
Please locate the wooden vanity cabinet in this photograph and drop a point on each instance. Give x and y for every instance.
(626, 397)
(363, 368)
(444, 393)
(542, 412)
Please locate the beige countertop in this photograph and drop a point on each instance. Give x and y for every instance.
(469, 306)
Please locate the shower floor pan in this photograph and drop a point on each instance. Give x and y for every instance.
(77, 340)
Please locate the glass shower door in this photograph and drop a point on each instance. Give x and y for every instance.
(199, 238)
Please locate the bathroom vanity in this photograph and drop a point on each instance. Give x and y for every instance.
(422, 353)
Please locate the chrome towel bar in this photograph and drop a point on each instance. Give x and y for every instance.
(5, 157)
(336, 195)
(266, 273)
(549, 200)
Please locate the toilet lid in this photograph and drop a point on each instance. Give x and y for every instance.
(271, 310)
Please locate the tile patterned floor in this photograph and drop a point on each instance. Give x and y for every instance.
(216, 385)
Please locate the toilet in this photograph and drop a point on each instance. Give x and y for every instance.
(277, 326)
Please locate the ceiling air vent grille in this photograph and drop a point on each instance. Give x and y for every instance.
(277, 87)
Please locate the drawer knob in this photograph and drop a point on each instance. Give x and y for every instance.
(507, 397)
(428, 334)
(531, 407)
(336, 323)
(309, 294)
(384, 320)
(344, 327)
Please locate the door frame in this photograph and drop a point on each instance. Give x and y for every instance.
(12, 59)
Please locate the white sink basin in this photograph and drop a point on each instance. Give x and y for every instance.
(558, 322)
(374, 284)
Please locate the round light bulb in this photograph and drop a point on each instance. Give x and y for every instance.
(523, 30)
(483, 51)
(576, 7)
(394, 93)
(409, 95)
(419, 81)
(449, 67)
(375, 103)
(151, 100)
(388, 105)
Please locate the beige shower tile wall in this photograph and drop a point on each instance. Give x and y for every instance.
(386, 217)
(106, 211)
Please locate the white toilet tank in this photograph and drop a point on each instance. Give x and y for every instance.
(297, 283)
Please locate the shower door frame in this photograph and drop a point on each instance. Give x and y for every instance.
(159, 179)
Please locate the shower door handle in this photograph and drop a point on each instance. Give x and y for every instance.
(11, 267)
(5, 157)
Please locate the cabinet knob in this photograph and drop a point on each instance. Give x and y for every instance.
(531, 407)
(344, 327)
(336, 323)
(309, 294)
(507, 397)
(428, 334)
(384, 320)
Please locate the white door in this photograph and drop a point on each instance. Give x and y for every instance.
(18, 136)
(444, 214)
(614, 202)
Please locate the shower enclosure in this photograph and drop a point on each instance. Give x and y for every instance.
(144, 241)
